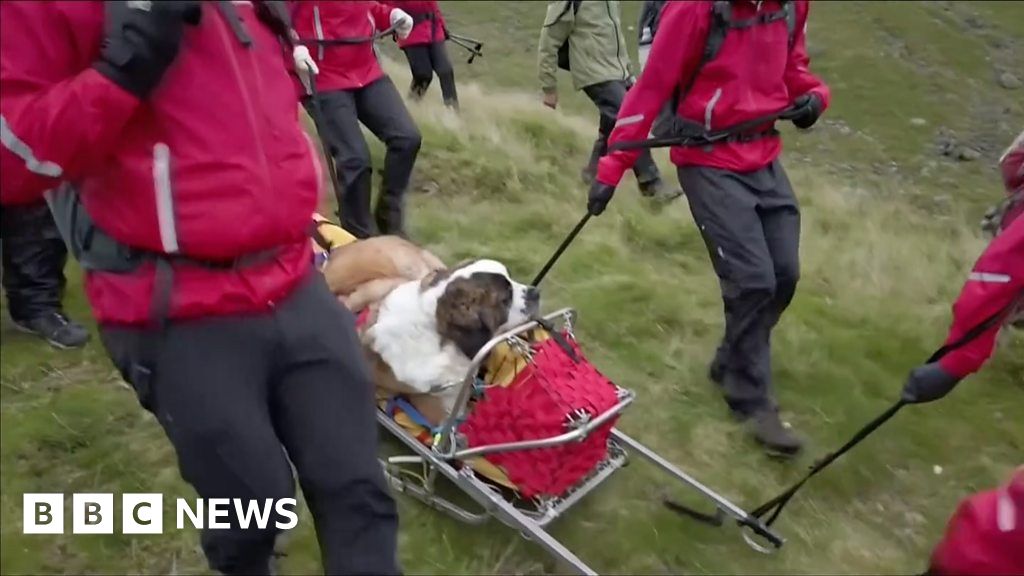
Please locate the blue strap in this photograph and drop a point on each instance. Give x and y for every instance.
(411, 412)
(416, 416)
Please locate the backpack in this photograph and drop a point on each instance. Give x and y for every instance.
(563, 50)
(721, 23)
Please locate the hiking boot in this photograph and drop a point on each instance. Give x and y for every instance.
(657, 190)
(56, 329)
(390, 217)
(716, 372)
(771, 433)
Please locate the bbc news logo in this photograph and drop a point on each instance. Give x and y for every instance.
(144, 513)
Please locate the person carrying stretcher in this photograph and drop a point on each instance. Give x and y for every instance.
(986, 533)
(168, 137)
(731, 63)
(352, 89)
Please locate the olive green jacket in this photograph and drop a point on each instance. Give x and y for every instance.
(597, 47)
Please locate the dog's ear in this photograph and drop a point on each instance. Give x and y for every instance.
(462, 316)
(492, 317)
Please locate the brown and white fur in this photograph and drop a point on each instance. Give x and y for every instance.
(360, 274)
(425, 333)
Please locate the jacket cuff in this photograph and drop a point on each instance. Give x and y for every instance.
(958, 365)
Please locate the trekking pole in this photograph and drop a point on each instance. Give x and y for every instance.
(318, 122)
(475, 47)
(773, 508)
(561, 248)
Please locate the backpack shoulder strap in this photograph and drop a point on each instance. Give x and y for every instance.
(721, 17)
(569, 5)
(721, 20)
(790, 11)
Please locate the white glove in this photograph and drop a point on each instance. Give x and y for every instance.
(304, 62)
(401, 22)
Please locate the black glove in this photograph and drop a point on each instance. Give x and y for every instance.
(927, 383)
(142, 39)
(599, 197)
(805, 111)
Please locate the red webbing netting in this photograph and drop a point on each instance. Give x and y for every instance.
(540, 403)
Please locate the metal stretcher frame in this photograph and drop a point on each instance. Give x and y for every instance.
(445, 458)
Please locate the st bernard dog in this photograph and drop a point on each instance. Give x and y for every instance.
(425, 334)
(424, 321)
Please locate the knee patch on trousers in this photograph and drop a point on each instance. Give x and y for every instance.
(407, 143)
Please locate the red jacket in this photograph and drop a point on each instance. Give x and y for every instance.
(214, 163)
(430, 25)
(985, 535)
(754, 74)
(1012, 167)
(342, 66)
(996, 281)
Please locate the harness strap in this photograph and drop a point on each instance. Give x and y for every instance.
(742, 132)
(345, 41)
(227, 9)
(418, 17)
(415, 415)
(761, 18)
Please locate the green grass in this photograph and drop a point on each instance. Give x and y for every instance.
(883, 256)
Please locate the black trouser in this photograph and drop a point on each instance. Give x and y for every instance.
(608, 96)
(234, 393)
(380, 108)
(751, 226)
(34, 255)
(424, 61)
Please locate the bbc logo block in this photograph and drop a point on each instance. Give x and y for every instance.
(43, 513)
(144, 513)
(93, 513)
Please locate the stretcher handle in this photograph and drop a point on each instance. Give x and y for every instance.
(773, 508)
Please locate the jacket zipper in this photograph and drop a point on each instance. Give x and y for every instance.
(710, 109)
(618, 45)
(318, 31)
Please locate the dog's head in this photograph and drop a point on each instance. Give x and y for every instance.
(477, 300)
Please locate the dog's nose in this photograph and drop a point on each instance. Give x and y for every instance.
(532, 294)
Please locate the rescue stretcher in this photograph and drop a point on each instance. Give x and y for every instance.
(532, 434)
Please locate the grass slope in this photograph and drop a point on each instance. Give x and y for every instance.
(888, 236)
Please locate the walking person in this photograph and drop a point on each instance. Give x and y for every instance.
(994, 286)
(738, 192)
(189, 210)
(34, 256)
(986, 533)
(426, 51)
(586, 39)
(647, 27)
(354, 90)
